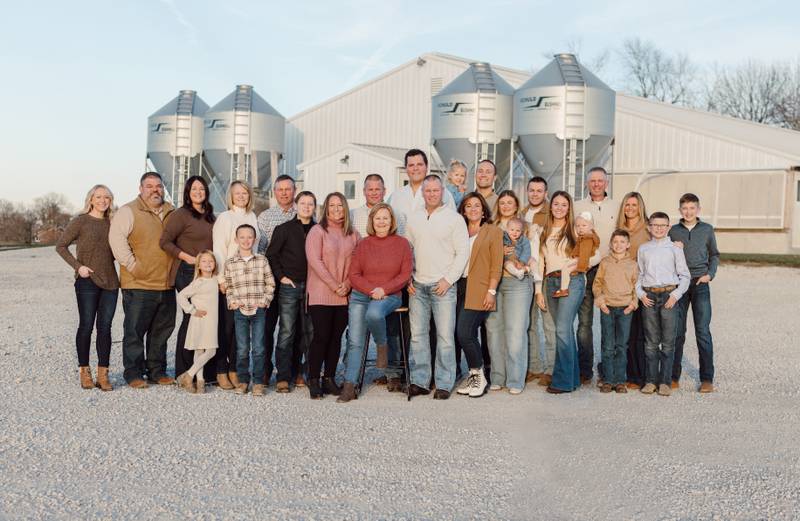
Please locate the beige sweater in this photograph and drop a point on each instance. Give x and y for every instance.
(615, 282)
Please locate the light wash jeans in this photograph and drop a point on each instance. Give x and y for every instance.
(566, 371)
(541, 355)
(365, 314)
(507, 330)
(420, 307)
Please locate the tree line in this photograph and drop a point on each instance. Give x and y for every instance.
(38, 222)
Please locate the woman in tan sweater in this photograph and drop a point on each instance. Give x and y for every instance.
(558, 241)
(96, 282)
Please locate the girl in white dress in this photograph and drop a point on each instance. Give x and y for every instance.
(199, 299)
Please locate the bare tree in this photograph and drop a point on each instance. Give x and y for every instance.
(16, 223)
(789, 108)
(52, 210)
(752, 91)
(651, 73)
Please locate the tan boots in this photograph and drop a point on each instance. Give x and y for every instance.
(102, 379)
(224, 382)
(86, 377)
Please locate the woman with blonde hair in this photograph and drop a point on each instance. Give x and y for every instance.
(240, 211)
(329, 250)
(633, 219)
(380, 269)
(96, 281)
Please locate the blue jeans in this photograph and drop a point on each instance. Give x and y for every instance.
(585, 320)
(365, 314)
(541, 355)
(659, 338)
(293, 321)
(615, 327)
(250, 339)
(507, 331)
(566, 371)
(699, 297)
(422, 305)
(95, 306)
(151, 314)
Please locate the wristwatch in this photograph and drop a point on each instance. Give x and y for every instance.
(492, 292)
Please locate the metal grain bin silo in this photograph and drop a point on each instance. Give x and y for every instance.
(471, 121)
(564, 122)
(175, 141)
(243, 140)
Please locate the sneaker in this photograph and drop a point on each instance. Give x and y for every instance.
(514, 391)
(479, 385)
(495, 387)
(241, 388)
(664, 390)
(466, 385)
(282, 387)
(648, 389)
(706, 387)
(258, 389)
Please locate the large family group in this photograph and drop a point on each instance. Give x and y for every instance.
(469, 272)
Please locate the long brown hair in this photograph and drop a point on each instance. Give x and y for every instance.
(567, 232)
(347, 226)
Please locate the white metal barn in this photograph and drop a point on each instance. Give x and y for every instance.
(747, 175)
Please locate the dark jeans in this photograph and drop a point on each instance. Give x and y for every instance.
(295, 333)
(636, 367)
(467, 323)
(461, 295)
(183, 357)
(250, 343)
(151, 314)
(329, 322)
(659, 338)
(585, 320)
(699, 297)
(272, 316)
(615, 328)
(95, 305)
(225, 358)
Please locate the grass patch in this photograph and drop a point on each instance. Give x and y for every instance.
(762, 259)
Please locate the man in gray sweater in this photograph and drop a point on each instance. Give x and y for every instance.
(702, 257)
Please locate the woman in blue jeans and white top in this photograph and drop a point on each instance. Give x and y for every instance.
(380, 268)
(96, 282)
(558, 239)
(507, 327)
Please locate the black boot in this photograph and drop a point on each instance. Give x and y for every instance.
(329, 386)
(314, 390)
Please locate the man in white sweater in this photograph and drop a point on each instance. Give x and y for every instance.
(440, 241)
(604, 212)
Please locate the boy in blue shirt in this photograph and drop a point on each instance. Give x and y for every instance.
(702, 257)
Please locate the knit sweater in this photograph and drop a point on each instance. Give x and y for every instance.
(329, 254)
(92, 250)
(615, 281)
(224, 234)
(381, 262)
(699, 247)
(184, 233)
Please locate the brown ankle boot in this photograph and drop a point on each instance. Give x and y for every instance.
(234, 378)
(382, 361)
(224, 382)
(348, 393)
(86, 377)
(102, 379)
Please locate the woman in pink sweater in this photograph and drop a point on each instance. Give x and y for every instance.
(381, 267)
(329, 249)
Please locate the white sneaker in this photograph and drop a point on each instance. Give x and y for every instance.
(514, 391)
(479, 383)
(495, 387)
(466, 384)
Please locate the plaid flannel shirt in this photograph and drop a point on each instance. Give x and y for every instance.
(248, 283)
(268, 221)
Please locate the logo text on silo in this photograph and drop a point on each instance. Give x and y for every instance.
(455, 108)
(539, 103)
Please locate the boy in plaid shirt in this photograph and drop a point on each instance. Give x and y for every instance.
(249, 287)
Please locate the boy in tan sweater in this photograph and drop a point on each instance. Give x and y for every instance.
(614, 292)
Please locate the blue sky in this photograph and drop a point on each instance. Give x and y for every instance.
(80, 78)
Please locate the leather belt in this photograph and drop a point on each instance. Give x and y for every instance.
(557, 274)
(661, 289)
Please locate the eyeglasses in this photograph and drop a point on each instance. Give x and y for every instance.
(659, 225)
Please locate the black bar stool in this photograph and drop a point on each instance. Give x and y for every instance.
(403, 354)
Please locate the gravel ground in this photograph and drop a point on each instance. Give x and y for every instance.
(67, 453)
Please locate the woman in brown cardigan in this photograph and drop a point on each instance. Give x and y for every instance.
(477, 288)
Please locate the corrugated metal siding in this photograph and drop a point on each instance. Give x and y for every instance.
(393, 111)
(643, 144)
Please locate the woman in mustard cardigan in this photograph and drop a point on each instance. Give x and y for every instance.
(477, 288)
